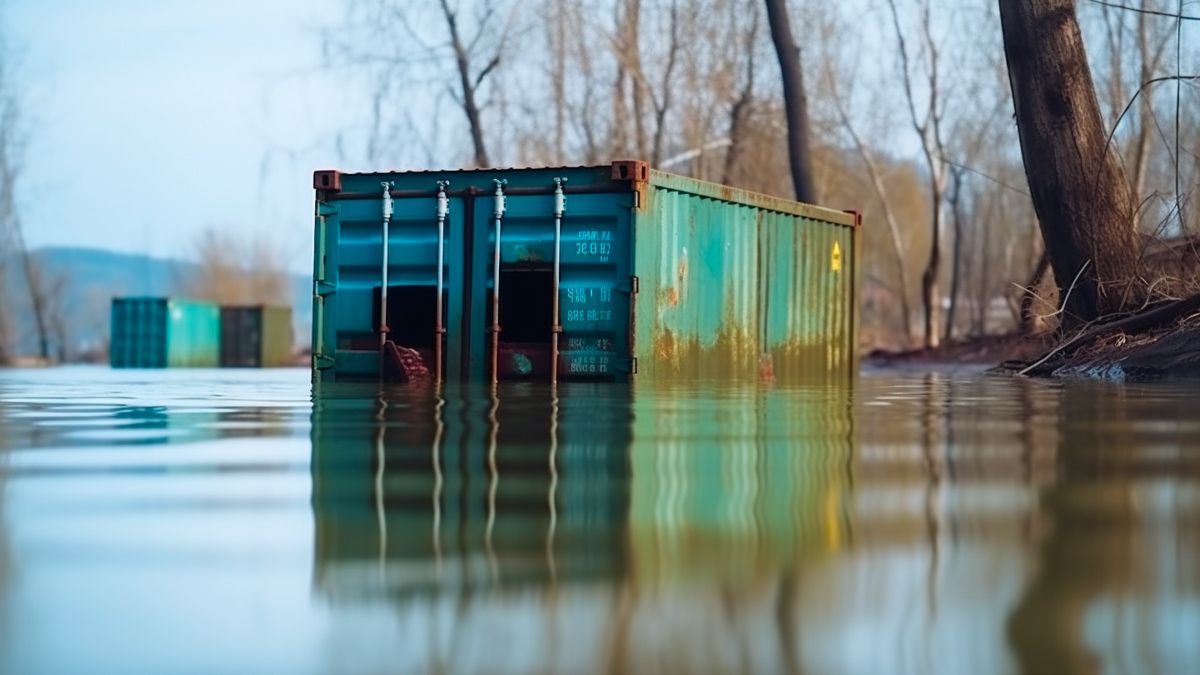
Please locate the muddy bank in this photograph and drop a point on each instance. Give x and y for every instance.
(981, 350)
(1160, 343)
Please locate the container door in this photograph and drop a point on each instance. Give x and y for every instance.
(349, 281)
(594, 289)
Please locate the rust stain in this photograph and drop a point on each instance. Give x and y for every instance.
(766, 368)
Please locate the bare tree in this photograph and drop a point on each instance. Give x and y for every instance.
(41, 290)
(1145, 57)
(794, 99)
(740, 110)
(927, 123)
(1083, 201)
(879, 187)
(470, 79)
(10, 151)
(233, 270)
(389, 42)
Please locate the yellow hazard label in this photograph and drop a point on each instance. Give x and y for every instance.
(835, 259)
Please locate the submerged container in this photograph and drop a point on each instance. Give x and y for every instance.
(256, 336)
(594, 273)
(164, 333)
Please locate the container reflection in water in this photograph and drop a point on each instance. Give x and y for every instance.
(587, 511)
(904, 528)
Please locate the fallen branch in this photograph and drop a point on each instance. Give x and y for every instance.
(1133, 324)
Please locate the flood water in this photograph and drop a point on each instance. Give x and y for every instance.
(223, 522)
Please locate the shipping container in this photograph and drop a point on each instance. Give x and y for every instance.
(580, 273)
(256, 336)
(164, 333)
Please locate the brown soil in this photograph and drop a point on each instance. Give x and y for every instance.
(981, 350)
(1164, 353)
(1159, 342)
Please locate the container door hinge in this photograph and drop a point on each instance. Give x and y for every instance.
(322, 288)
(627, 365)
(322, 361)
(326, 209)
(630, 287)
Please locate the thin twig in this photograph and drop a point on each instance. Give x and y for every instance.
(1181, 16)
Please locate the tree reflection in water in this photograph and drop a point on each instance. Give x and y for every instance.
(933, 524)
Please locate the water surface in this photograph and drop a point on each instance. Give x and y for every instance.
(228, 522)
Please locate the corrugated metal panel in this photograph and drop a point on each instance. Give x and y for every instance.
(193, 334)
(256, 336)
(277, 337)
(138, 333)
(162, 332)
(241, 337)
(736, 284)
(669, 275)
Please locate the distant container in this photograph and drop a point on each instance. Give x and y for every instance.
(164, 333)
(657, 275)
(256, 336)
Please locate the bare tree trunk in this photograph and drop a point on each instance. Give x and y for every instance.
(469, 84)
(956, 261)
(1151, 58)
(928, 128)
(620, 114)
(738, 113)
(1079, 190)
(795, 102)
(889, 214)
(662, 103)
(558, 75)
(930, 297)
(35, 284)
(633, 21)
(5, 325)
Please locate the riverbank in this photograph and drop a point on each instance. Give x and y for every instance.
(981, 350)
(1161, 343)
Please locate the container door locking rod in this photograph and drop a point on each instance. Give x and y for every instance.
(498, 214)
(560, 207)
(383, 273)
(443, 208)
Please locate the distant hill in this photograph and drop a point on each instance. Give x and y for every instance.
(94, 276)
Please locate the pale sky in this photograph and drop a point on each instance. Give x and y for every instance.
(149, 120)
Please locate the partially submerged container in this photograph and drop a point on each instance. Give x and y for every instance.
(255, 336)
(164, 333)
(580, 273)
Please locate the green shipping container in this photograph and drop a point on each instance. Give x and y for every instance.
(256, 336)
(164, 333)
(594, 273)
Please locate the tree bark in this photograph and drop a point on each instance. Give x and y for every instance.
(1082, 199)
(795, 102)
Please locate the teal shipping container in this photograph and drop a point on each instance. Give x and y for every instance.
(164, 333)
(255, 336)
(580, 273)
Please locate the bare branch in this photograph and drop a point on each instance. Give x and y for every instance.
(1180, 16)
